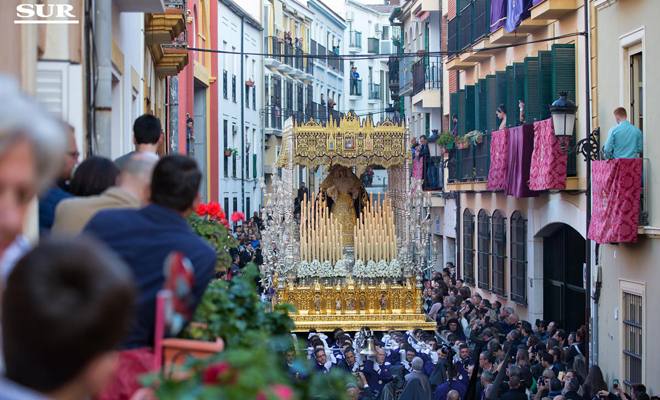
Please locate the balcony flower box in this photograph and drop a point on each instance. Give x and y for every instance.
(249, 83)
(230, 152)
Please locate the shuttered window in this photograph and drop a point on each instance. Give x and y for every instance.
(499, 252)
(491, 103)
(469, 108)
(518, 258)
(632, 339)
(461, 112)
(511, 113)
(563, 70)
(481, 105)
(468, 246)
(545, 83)
(501, 83)
(483, 249)
(533, 104)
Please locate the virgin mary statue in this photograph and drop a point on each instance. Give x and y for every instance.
(345, 192)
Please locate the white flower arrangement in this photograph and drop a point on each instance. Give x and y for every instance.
(359, 269)
(394, 269)
(380, 269)
(342, 268)
(303, 270)
(326, 270)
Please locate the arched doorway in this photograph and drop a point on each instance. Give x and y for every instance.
(563, 283)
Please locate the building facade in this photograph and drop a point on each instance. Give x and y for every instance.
(240, 146)
(624, 54)
(523, 249)
(368, 32)
(288, 73)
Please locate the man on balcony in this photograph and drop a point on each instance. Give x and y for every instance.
(354, 80)
(623, 140)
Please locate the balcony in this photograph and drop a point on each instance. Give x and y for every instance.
(374, 91)
(274, 49)
(373, 45)
(427, 74)
(405, 76)
(273, 117)
(288, 65)
(321, 53)
(355, 41)
(162, 28)
(355, 88)
(552, 9)
(172, 61)
(426, 6)
(393, 68)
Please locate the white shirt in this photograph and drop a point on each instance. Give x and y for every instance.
(12, 254)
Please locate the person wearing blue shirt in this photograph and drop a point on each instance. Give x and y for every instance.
(145, 238)
(623, 140)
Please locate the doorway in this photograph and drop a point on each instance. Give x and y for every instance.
(199, 146)
(563, 263)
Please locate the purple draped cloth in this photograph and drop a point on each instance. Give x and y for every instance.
(521, 146)
(517, 11)
(498, 10)
(537, 2)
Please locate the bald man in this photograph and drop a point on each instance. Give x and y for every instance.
(132, 191)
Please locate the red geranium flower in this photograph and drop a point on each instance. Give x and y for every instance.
(237, 216)
(202, 209)
(220, 215)
(220, 373)
(281, 392)
(213, 208)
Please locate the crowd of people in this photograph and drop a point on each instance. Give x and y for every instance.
(480, 350)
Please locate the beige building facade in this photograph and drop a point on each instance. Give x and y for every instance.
(626, 55)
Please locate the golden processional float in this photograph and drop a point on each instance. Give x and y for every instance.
(346, 258)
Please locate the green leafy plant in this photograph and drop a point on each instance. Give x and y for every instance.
(233, 311)
(210, 222)
(474, 137)
(446, 140)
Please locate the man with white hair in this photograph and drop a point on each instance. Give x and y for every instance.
(31, 153)
(132, 191)
(417, 383)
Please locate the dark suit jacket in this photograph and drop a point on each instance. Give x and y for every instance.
(144, 238)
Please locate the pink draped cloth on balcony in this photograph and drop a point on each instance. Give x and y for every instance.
(549, 161)
(521, 145)
(132, 364)
(616, 188)
(499, 160)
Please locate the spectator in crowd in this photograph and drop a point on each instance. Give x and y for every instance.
(59, 190)
(355, 76)
(93, 176)
(145, 237)
(500, 113)
(417, 383)
(32, 148)
(147, 135)
(623, 140)
(132, 191)
(66, 306)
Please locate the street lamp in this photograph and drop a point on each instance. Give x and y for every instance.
(563, 115)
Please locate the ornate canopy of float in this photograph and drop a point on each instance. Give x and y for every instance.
(342, 256)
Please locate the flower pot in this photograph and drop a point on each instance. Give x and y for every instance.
(479, 139)
(227, 153)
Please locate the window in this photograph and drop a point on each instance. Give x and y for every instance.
(247, 96)
(632, 337)
(235, 204)
(518, 258)
(233, 165)
(483, 249)
(224, 84)
(247, 208)
(225, 143)
(468, 246)
(227, 207)
(637, 89)
(254, 98)
(498, 256)
(233, 88)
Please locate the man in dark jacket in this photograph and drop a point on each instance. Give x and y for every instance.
(145, 238)
(516, 390)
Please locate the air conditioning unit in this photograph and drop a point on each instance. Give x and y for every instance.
(385, 47)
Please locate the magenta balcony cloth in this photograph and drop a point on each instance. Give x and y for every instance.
(616, 188)
(499, 160)
(521, 146)
(549, 161)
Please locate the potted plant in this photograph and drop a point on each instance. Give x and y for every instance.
(230, 152)
(462, 142)
(446, 140)
(210, 222)
(249, 83)
(475, 137)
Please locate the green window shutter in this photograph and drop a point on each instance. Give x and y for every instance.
(533, 104)
(520, 79)
(469, 108)
(563, 70)
(453, 108)
(491, 103)
(545, 84)
(502, 88)
(461, 112)
(511, 102)
(481, 102)
(254, 166)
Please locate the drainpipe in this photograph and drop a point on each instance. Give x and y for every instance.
(591, 339)
(103, 90)
(242, 103)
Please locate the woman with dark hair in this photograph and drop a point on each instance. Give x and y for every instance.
(501, 115)
(93, 176)
(593, 384)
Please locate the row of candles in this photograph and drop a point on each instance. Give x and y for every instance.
(375, 237)
(320, 233)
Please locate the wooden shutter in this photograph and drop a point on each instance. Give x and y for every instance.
(510, 97)
(563, 70)
(483, 249)
(545, 83)
(461, 112)
(491, 103)
(481, 103)
(533, 104)
(469, 108)
(453, 108)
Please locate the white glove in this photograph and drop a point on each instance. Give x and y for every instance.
(434, 357)
(377, 367)
(328, 365)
